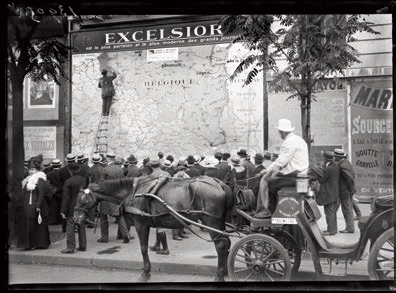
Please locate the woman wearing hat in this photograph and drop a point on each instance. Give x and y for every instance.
(35, 207)
(167, 166)
(210, 163)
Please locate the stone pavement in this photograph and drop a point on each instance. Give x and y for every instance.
(189, 256)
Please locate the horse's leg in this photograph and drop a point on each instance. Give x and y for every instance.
(222, 244)
(143, 231)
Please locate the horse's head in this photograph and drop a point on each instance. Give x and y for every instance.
(85, 201)
(112, 190)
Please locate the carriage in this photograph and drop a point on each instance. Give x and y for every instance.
(268, 249)
(273, 248)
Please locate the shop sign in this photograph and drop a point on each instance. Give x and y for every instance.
(144, 38)
(372, 139)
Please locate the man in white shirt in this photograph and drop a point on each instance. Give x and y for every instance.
(293, 159)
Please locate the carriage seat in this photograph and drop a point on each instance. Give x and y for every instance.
(256, 222)
(319, 243)
(380, 204)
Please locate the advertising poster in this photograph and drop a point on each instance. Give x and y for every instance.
(41, 94)
(372, 140)
(40, 140)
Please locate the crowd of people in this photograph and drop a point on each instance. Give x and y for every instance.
(78, 171)
(264, 173)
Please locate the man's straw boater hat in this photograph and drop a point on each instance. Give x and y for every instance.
(96, 158)
(339, 153)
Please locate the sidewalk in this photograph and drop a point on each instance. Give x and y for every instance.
(189, 256)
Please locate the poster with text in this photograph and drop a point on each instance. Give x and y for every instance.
(40, 140)
(372, 140)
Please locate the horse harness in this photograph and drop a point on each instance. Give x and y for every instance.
(153, 188)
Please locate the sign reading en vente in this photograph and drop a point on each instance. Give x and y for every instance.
(144, 38)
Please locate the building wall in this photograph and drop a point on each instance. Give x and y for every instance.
(141, 100)
(141, 79)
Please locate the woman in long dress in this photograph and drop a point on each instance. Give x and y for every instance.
(36, 234)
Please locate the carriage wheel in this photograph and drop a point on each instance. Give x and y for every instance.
(290, 243)
(381, 258)
(259, 257)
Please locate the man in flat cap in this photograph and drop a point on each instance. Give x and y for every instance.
(106, 84)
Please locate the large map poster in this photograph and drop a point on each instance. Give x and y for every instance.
(181, 104)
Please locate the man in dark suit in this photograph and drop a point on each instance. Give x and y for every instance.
(71, 189)
(224, 169)
(95, 172)
(198, 159)
(329, 192)
(112, 171)
(192, 171)
(347, 189)
(172, 169)
(66, 174)
(82, 160)
(54, 177)
(254, 181)
(246, 163)
(94, 175)
(133, 169)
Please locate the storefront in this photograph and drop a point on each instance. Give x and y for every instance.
(173, 94)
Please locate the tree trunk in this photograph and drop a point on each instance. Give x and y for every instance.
(308, 112)
(18, 152)
(303, 108)
(308, 123)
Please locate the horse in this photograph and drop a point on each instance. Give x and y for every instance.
(202, 198)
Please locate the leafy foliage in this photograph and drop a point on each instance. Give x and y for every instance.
(50, 55)
(318, 45)
(314, 46)
(33, 50)
(33, 53)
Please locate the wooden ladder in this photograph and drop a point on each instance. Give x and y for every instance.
(101, 135)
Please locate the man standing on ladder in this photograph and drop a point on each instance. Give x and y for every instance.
(106, 84)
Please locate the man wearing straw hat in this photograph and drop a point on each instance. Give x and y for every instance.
(347, 189)
(293, 159)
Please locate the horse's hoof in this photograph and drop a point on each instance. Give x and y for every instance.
(218, 279)
(144, 277)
